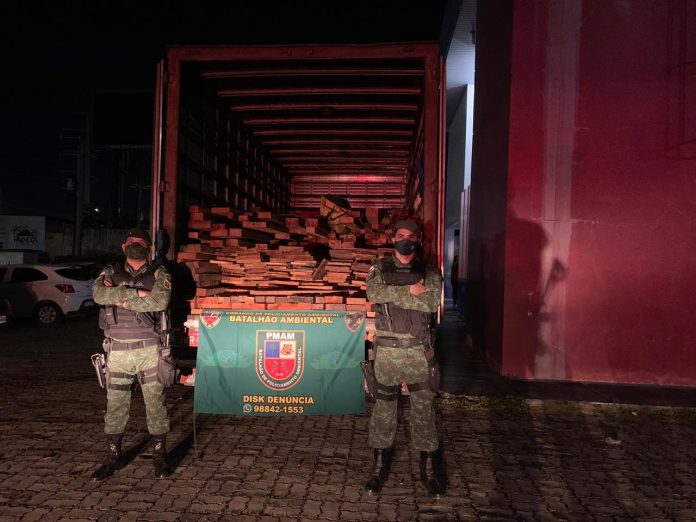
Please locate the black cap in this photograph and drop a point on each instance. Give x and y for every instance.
(140, 234)
(408, 224)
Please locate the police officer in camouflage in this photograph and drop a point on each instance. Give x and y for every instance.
(133, 294)
(405, 293)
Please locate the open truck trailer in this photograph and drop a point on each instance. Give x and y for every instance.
(275, 128)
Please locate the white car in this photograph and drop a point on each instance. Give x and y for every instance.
(46, 293)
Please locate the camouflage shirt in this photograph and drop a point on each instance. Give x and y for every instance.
(156, 301)
(379, 292)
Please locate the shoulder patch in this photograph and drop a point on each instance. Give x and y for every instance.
(107, 271)
(166, 278)
(160, 271)
(370, 273)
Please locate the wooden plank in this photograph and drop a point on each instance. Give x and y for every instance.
(261, 260)
(246, 233)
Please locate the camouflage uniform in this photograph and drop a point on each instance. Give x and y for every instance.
(396, 365)
(123, 365)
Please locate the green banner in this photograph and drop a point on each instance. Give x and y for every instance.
(280, 362)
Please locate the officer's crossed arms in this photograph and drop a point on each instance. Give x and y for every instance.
(141, 293)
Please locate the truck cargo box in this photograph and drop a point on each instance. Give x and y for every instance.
(276, 127)
(286, 129)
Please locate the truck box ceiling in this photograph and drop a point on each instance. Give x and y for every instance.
(334, 126)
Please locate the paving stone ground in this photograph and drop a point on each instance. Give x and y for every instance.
(507, 459)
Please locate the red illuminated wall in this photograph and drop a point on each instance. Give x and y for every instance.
(596, 247)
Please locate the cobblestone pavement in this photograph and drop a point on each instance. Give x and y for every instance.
(507, 459)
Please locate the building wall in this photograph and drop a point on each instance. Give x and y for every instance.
(601, 217)
(485, 267)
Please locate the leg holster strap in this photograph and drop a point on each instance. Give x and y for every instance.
(387, 393)
(148, 376)
(119, 375)
(119, 387)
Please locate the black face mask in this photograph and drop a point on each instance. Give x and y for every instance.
(136, 252)
(405, 247)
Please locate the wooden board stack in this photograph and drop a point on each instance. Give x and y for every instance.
(263, 261)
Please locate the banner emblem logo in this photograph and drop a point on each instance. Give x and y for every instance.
(280, 358)
(354, 320)
(211, 318)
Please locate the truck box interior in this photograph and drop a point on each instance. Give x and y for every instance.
(276, 128)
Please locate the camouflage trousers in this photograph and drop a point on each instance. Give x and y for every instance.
(392, 367)
(121, 368)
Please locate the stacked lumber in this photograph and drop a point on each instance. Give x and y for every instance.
(260, 260)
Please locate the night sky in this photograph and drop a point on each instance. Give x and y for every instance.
(56, 54)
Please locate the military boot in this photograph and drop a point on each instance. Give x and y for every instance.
(159, 456)
(431, 473)
(380, 469)
(113, 461)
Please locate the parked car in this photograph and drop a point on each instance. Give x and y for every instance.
(46, 293)
(5, 312)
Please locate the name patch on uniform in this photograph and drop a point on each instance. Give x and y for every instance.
(280, 356)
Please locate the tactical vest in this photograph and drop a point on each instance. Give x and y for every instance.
(119, 323)
(402, 320)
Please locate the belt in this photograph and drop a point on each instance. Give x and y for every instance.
(132, 345)
(395, 342)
